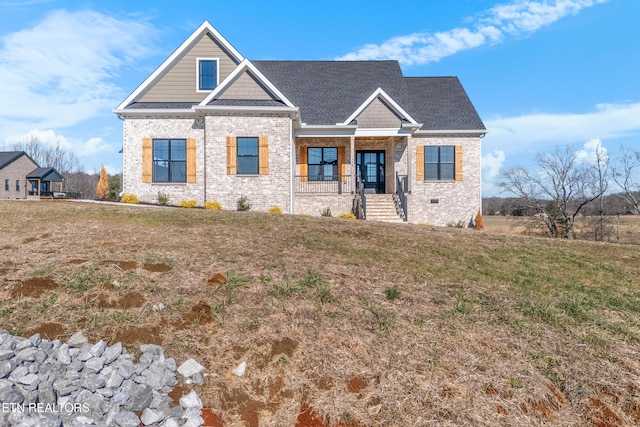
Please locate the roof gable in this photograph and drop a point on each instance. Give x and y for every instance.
(175, 79)
(248, 85)
(8, 157)
(46, 174)
(376, 105)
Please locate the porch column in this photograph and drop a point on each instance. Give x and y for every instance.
(352, 142)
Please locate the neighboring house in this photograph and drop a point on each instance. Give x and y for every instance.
(21, 177)
(211, 125)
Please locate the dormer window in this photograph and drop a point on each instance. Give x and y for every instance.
(207, 74)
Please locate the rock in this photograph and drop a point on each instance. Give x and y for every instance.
(191, 400)
(64, 356)
(240, 369)
(151, 416)
(189, 368)
(111, 353)
(6, 354)
(126, 419)
(98, 348)
(77, 340)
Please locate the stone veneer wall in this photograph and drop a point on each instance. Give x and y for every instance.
(262, 191)
(457, 200)
(137, 128)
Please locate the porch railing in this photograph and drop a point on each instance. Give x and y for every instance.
(402, 188)
(327, 184)
(56, 194)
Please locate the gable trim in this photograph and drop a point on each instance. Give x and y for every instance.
(245, 66)
(171, 60)
(393, 104)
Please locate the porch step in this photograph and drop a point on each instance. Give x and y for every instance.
(381, 207)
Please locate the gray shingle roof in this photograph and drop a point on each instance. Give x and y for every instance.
(48, 173)
(328, 92)
(441, 103)
(8, 157)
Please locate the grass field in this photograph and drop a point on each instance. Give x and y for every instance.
(341, 322)
(622, 229)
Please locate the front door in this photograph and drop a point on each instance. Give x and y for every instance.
(370, 170)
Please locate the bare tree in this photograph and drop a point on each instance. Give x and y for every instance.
(33, 147)
(56, 156)
(625, 174)
(557, 190)
(602, 176)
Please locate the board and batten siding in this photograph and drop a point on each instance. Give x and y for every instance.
(179, 83)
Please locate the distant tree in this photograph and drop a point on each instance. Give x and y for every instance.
(56, 156)
(115, 183)
(558, 189)
(82, 183)
(626, 173)
(102, 189)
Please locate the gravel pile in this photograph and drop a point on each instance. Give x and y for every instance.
(50, 384)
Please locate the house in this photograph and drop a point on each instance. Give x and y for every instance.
(212, 125)
(22, 177)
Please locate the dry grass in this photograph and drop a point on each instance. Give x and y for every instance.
(488, 329)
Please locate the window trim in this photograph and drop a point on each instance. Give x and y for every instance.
(170, 162)
(440, 163)
(198, 60)
(17, 185)
(6, 184)
(257, 156)
(334, 177)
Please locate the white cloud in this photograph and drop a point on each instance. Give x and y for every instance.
(516, 19)
(492, 163)
(590, 151)
(94, 146)
(48, 138)
(61, 71)
(539, 131)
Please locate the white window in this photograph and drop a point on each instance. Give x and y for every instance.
(207, 74)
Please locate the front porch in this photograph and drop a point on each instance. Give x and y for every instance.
(339, 172)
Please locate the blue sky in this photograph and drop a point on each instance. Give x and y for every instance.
(540, 73)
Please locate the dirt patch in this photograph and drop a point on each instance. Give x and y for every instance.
(199, 313)
(285, 346)
(211, 419)
(76, 261)
(239, 402)
(30, 240)
(601, 415)
(356, 384)
(179, 391)
(323, 383)
(132, 299)
(217, 279)
(307, 417)
(136, 335)
(157, 268)
(50, 331)
(34, 287)
(501, 410)
(123, 265)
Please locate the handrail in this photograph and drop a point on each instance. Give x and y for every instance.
(402, 183)
(327, 184)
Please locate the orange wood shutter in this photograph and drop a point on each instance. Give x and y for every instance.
(147, 159)
(458, 165)
(420, 163)
(191, 160)
(263, 155)
(231, 155)
(341, 161)
(304, 168)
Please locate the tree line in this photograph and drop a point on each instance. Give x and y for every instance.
(562, 186)
(64, 161)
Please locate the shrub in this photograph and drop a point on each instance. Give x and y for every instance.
(216, 206)
(163, 199)
(189, 204)
(392, 293)
(275, 210)
(479, 224)
(129, 198)
(347, 215)
(459, 224)
(243, 204)
(326, 212)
